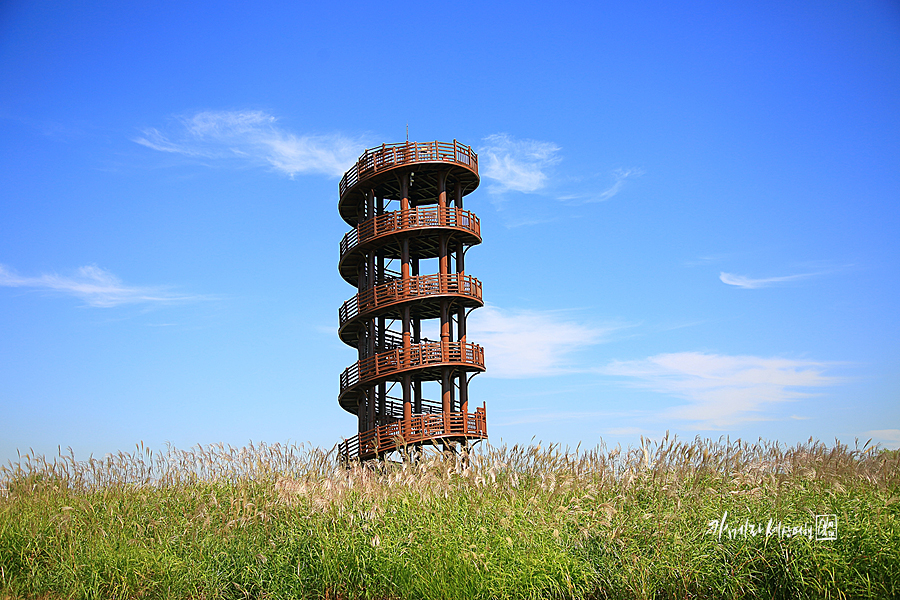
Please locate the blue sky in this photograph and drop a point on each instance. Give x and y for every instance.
(689, 214)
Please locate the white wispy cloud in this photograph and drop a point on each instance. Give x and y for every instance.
(705, 260)
(518, 165)
(630, 431)
(723, 391)
(95, 286)
(889, 438)
(546, 417)
(257, 138)
(750, 283)
(619, 177)
(528, 343)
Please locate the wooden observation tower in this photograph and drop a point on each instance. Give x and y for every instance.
(405, 255)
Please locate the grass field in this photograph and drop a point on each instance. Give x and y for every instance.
(670, 519)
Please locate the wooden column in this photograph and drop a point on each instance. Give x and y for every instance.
(381, 400)
(444, 260)
(446, 382)
(372, 271)
(407, 341)
(442, 188)
(461, 311)
(404, 198)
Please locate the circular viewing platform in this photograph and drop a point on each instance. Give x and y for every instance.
(425, 428)
(387, 299)
(421, 225)
(376, 168)
(427, 358)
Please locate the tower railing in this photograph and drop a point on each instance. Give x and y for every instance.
(415, 218)
(397, 360)
(424, 427)
(400, 290)
(387, 156)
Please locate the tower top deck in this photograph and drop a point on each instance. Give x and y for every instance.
(377, 168)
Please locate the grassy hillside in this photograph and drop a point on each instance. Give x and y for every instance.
(668, 520)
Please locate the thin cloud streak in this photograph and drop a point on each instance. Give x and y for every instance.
(516, 165)
(723, 391)
(619, 177)
(255, 137)
(889, 438)
(527, 343)
(749, 283)
(556, 416)
(631, 431)
(95, 286)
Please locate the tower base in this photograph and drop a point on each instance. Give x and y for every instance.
(422, 430)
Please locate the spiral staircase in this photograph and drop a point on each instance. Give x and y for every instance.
(404, 203)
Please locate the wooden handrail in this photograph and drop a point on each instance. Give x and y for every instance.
(414, 218)
(420, 428)
(393, 407)
(417, 355)
(398, 290)
(386, 156)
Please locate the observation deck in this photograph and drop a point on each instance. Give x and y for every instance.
(376, 167)
(428, 181)
(427, 358)
(422, 428)
(418, 225)
(423, 293)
